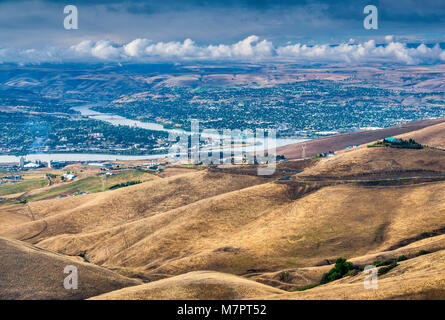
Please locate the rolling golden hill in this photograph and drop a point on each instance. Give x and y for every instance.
(364, 204)
(433, 136)
(418, 278)
(197, 285)
(28, 272)
(112, 208)
(379, 160)
(256, 228)
(340, 141)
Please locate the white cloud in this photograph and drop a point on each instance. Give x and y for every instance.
(364, 52)
(102, 49)
(250, 48)
(389, 38)
(136, 47)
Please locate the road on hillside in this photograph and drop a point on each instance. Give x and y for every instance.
(364, 179)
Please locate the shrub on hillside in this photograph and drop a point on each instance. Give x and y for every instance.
(124, 184)
(341, 268)
(383, 263)
(309, 286)
(387, 268)
(422, 252)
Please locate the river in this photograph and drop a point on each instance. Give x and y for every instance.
(117, 120)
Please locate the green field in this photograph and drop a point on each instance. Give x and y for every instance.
(19, 187)
(92, 184)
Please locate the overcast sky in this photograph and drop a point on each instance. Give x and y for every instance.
(32, 23)
(39, 24)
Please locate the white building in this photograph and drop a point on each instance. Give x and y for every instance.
(31, 165)
(96, 164)
(69, 177)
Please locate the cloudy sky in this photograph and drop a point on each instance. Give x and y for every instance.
(204, 29)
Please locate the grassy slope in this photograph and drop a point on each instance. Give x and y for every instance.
(229, 234)
(340, 141)
(168, 227)
(27, 185)
(245, 225)
(113, 208)
(195, 285)
(14, 215)
(92, 184)
(32, 273)
(418, 278)
(383, 159)
(433, 136)
(292, 278)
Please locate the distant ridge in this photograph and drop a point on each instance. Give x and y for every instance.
(340, 141)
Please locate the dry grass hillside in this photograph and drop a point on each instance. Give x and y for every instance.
(261, 228)
(292, 278)
(105, 210)
(14, 215)
(194, 285)
(257, 235)
(418, 278)
(340, 141)
(383, 160)
(433, 136)
(28, 272)
(212, 233)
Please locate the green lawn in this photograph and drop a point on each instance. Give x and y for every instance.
(92, 184)
(19, 187)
